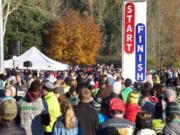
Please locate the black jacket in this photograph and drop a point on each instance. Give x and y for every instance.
(87, 118)
(105, 103)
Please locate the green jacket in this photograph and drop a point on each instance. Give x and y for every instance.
(125, 93)
(54, 110)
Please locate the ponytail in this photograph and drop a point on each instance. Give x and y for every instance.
(68, 113)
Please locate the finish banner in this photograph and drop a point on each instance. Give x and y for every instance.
(134, 40)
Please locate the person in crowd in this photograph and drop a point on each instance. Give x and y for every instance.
(67, 124)
(149, 77)
(30, 78)
(8, 112)
(158, 125)
(156, 80)
(73, 96)
(153, 96)
(170, 95)
(144, 124)
(87, 117)
(159, 106)
(102, 80)
(170, 78)
(132, 108)
(176, 82)
(33, 111)
(137, 87)
(173, 119)
(93, 88)
(116, 90)
(21, 87)
(67, 84)
(53, 106)
(125, 92)
(2, 81)
(58, 91)
(73, 83)
(106, 91)
(59, 83)
(9, 93)
(116, 120)
(163, 77)
(96, 105)
(51, 79)
(146, 104)
(177, 85)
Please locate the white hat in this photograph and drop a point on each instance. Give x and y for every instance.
(117, 88)
(51, 79)
(92, 83)
(146, 132)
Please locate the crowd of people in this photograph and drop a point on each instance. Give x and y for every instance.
(89, 101)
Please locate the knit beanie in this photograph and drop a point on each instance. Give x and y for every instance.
(133, 98)
(117, 88)
(170, 93)
(95, 105)
(8, 110)
(172, 108)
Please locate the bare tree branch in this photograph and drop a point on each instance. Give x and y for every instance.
(16, 6)
(8, 7)
(6, 17)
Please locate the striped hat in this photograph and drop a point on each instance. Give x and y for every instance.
(172, 108)
(8, 109)
(133, 98)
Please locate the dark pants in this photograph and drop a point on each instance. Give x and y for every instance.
(47, 133)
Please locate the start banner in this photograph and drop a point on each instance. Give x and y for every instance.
(134, 40)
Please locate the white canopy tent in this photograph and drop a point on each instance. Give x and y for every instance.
(38, 59)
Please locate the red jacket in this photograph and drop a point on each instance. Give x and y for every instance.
(131, 111)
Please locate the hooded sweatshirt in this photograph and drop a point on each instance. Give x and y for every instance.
(131, 111)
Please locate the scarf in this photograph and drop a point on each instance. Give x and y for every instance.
(32, 96)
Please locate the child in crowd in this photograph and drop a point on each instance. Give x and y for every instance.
(144, 124)
(132, 108)
(67, 124)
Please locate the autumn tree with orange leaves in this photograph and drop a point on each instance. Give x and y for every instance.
(73, 39)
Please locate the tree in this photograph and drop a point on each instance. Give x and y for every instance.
(8, 7)
(51, 9)
(25, 24)
(112, 27)
(72, 39)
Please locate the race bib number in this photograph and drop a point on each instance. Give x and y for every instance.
(20, 93)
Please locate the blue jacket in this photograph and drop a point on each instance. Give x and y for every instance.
(60, 129)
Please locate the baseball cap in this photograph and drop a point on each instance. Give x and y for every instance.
(116, 104)
(49, 86)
